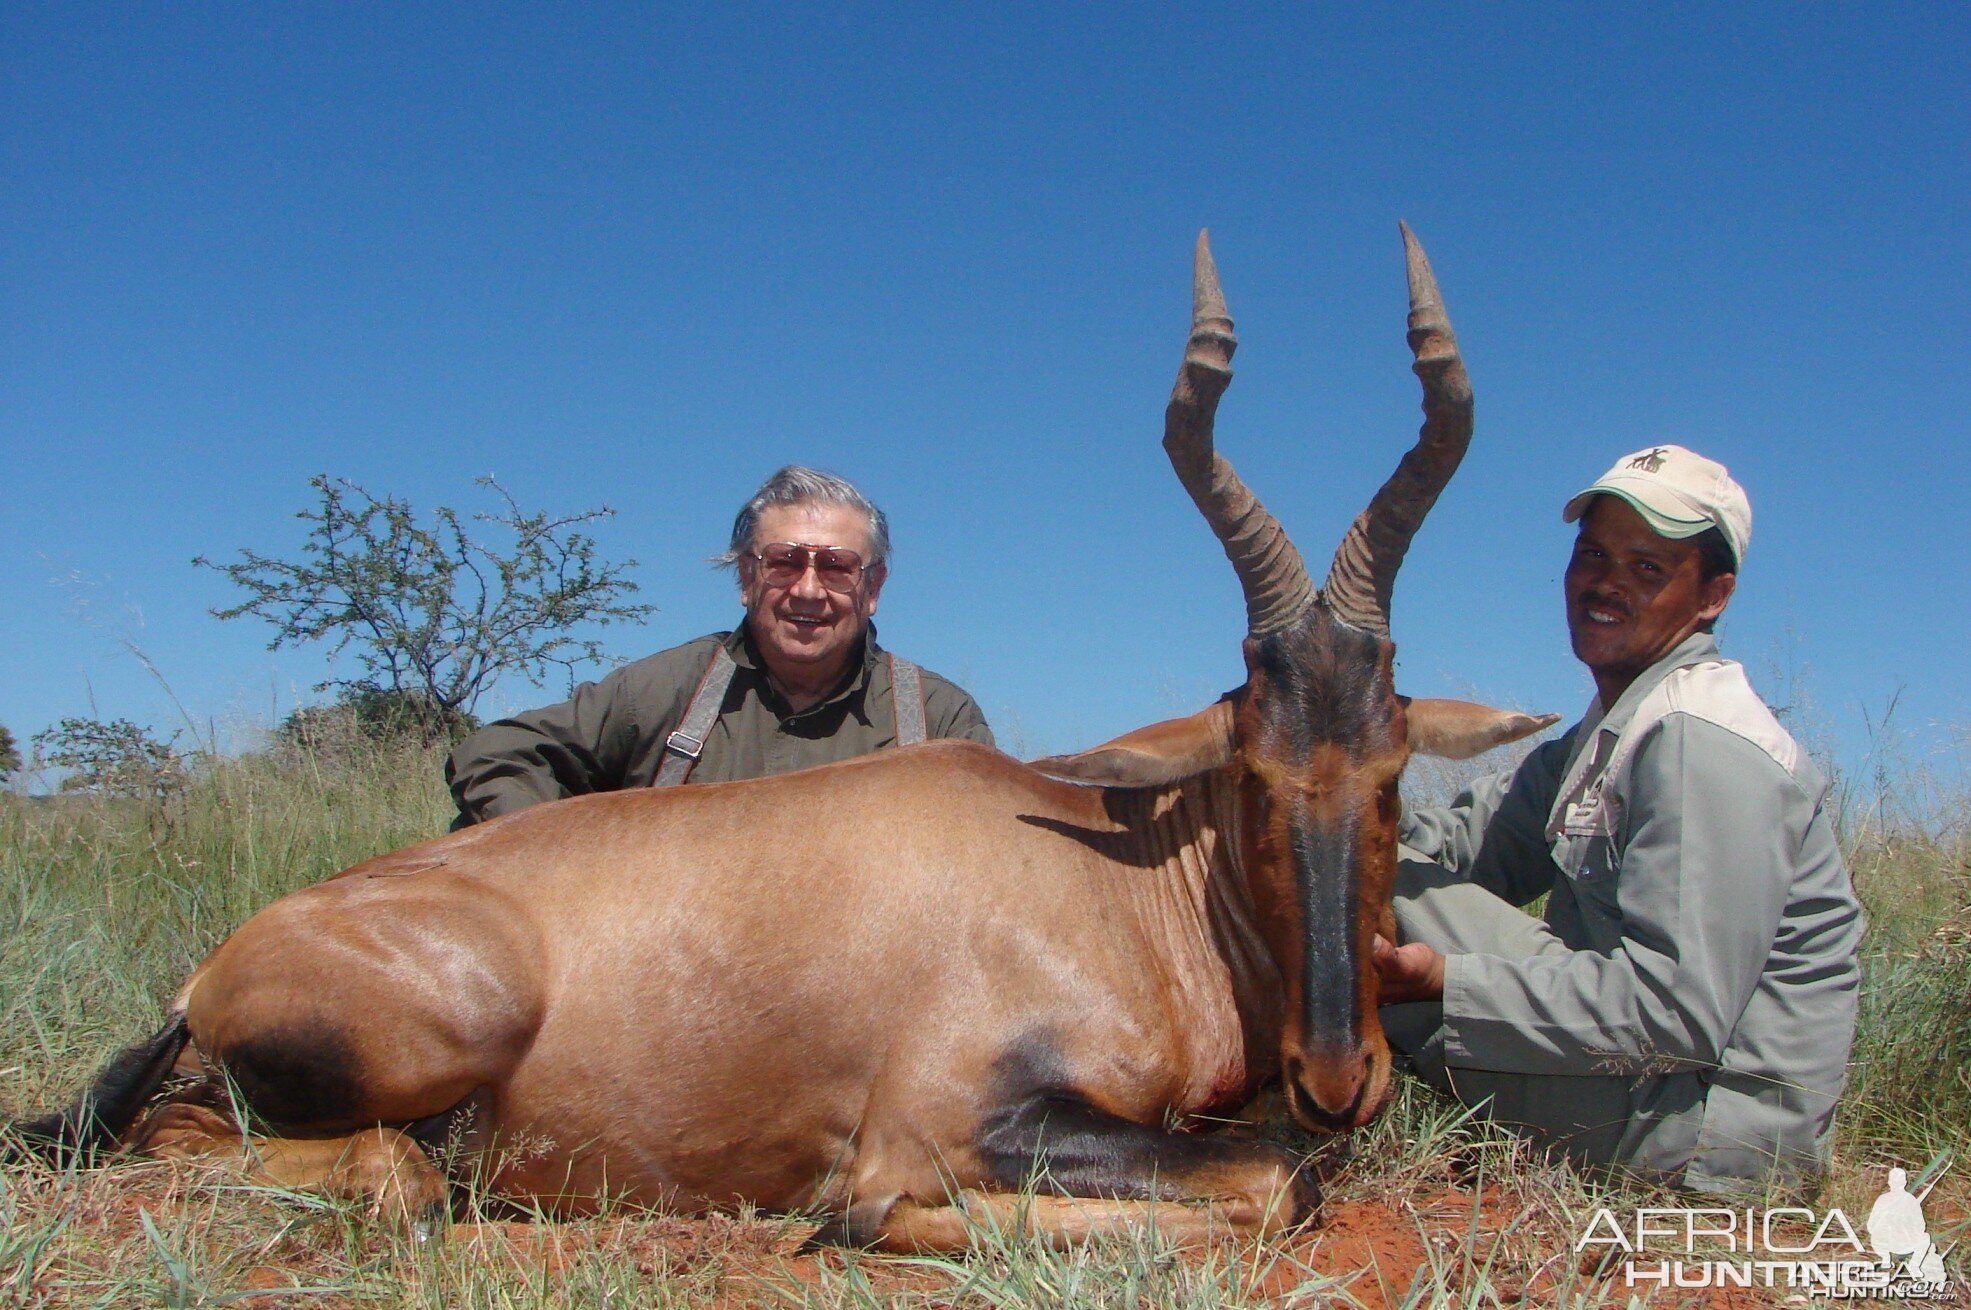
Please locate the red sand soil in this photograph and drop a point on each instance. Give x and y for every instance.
(1375, 1249)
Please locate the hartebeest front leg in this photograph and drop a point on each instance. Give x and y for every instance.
(1097, 1173)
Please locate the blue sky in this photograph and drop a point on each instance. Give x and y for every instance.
(645, 255)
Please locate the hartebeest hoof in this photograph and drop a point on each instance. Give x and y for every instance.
(857, 1228)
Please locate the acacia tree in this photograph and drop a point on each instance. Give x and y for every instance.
(433, 614)
(117, 758)
(10, 755)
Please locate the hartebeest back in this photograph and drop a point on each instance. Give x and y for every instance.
(892, 989)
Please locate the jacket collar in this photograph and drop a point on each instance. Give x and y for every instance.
(1697, 648)
(1579, 808)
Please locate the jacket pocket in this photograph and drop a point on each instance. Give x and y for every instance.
(1586, 858)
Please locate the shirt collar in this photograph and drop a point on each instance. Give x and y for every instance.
(739, 644)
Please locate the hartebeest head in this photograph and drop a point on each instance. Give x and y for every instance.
(1317, 737)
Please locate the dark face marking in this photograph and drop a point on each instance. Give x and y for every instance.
(1321, 739)
(1328, 887)
(1320, 684)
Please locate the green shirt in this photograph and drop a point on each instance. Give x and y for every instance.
(610, 734)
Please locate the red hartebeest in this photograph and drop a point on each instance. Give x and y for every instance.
(892, 989)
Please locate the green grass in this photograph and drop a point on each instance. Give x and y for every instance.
(105, 906)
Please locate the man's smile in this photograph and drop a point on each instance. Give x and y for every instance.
(1601, 613)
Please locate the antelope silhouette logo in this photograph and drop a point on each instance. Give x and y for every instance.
(1649, 461)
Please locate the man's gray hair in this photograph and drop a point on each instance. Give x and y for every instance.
(799, 485)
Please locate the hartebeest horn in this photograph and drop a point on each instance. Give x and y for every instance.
(1364, 572)
(1278, 590)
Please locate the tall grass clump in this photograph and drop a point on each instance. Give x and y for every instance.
(1906, 828)
(106, 902)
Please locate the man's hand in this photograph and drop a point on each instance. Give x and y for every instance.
(1412, 972)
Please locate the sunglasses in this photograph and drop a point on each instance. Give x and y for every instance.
(784, 563)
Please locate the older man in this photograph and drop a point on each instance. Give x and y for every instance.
(1685, 1004)
(801, 682)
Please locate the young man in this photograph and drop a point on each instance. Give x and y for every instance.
(1686, 1003)
(801, 682)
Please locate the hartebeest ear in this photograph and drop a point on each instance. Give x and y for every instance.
(1152, 756)
(1458, 729)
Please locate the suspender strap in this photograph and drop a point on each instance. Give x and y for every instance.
(907, 689)
(682, 747)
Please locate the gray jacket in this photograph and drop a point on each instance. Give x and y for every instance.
(1685, 846)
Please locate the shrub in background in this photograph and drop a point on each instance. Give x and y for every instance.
(118, 758)
(369, 717)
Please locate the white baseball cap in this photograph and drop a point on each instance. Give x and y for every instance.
(1678, 492)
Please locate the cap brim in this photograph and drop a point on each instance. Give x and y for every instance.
(1662, 515)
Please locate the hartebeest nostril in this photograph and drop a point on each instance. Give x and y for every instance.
(1329, 1095)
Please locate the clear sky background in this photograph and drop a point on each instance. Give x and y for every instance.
(644, 255)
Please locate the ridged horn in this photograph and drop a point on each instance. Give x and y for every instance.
(1364, 571)
(1277, 587)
